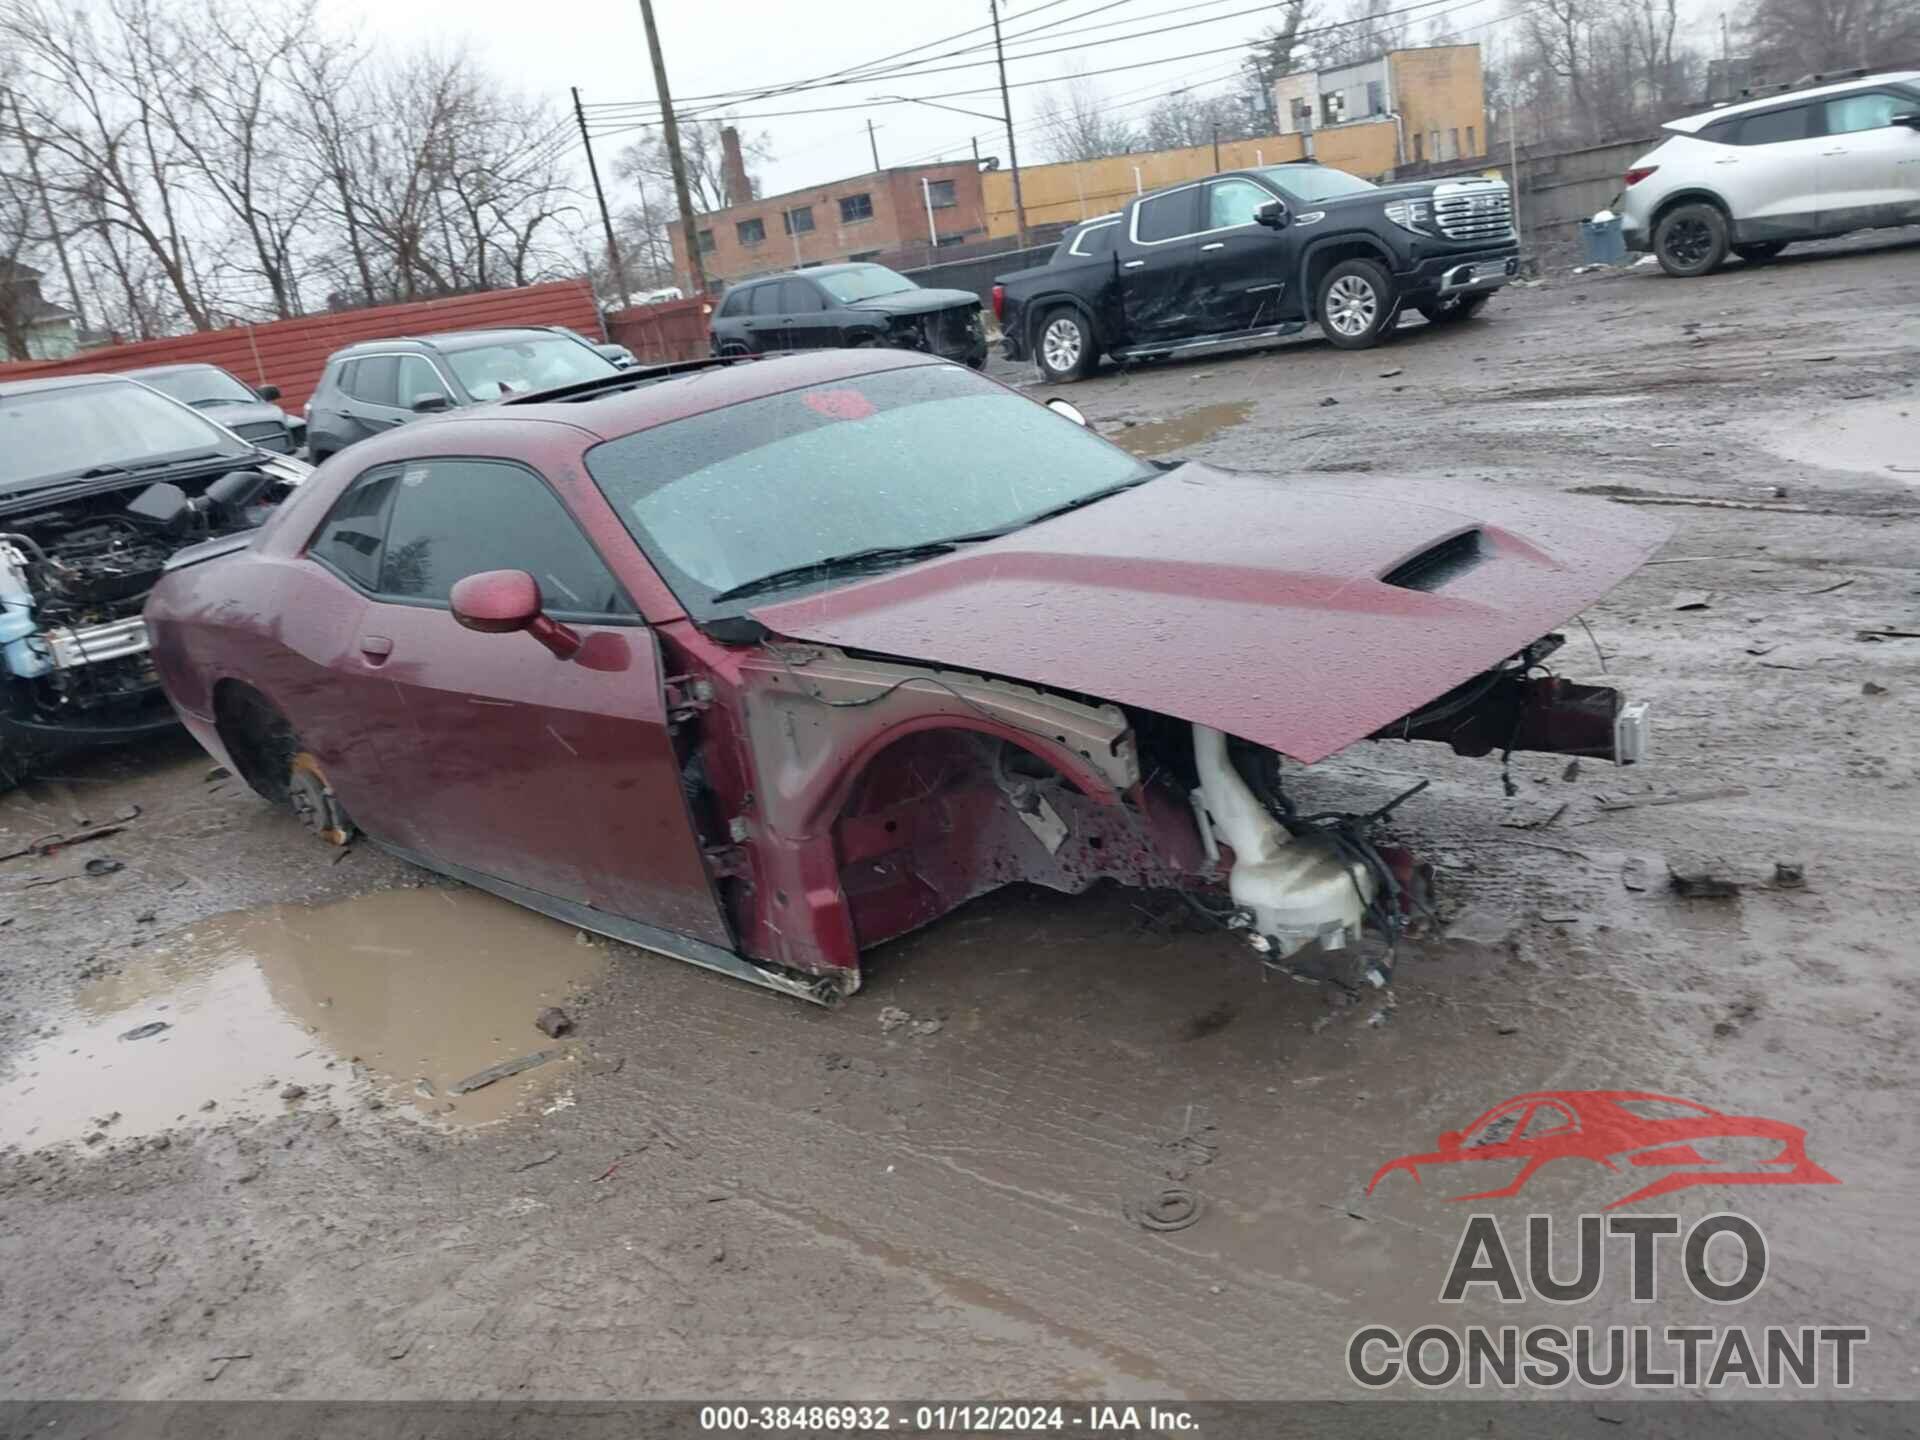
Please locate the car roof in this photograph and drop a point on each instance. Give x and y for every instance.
(447, 340)
(175, 369)
(59, 382)
(643, 404)
(1690, 124)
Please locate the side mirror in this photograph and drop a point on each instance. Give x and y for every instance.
(1072, 412)
(1910, 119)
(431, 404)
(1450, 1140)
(1273, 215)
(501, 602)
(267, 392)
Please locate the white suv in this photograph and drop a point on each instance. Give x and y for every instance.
(1754, 177)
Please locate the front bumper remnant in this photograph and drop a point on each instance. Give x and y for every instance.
(1545, 714)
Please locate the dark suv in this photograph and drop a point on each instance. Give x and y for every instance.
(1259, 253)
(830, 306)
(378, 384)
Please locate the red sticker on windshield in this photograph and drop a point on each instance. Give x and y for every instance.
(840, 404)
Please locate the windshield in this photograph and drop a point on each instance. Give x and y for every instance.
(57, 434)
(863, 283)
(897, 458)
(521, 366)
(1315, 182)
(202, 385)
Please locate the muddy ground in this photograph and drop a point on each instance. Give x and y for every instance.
(711, 1190)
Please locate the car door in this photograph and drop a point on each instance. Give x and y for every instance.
(1242, 265)
(808, 322)
(419, 380)
(558, 776)
(1158, 280)
(1770, 173)
(371, 391)
(1869, 166)
(766, 323)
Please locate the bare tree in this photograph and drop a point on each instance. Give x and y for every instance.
(1790, 38)
(1076, 124)
(644, 166)
(1368, 29)
(1280, 50)
(1185, 119)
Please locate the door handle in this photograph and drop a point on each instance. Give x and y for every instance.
(1825, 153)
(1133, 265)
(1216, 245)
(376, 648)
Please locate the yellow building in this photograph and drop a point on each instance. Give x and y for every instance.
(1407, 107)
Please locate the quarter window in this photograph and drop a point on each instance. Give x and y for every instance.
(455, 518)
(1233, 202)
(349, 539)
(1095, 240)
(1775, 126)
(1863, 112)
(1166, 217)
(856, 207)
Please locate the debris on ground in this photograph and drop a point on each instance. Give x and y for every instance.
(546, 1157)
(1174, 1208)
(294, 1092)
(892, 1017)
(1829, 589)
(218, 772)
(553, 1022)
(1572, 772)
(1873, 688)
(1701, 879)
(1389, 374)
(217, 1364)
(505, 1069)
(1329, 401)
(1886, 634)
(1636, 875)
(1789, 874)
(1541, 822)
(1691, 600)
(1684, 797)
(53, 844)
(141, 1032)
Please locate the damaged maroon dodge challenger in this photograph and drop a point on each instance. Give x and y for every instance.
(761, 663)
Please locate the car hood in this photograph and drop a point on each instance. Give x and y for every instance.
(242, 412)
(916, 302)
(1251, 604)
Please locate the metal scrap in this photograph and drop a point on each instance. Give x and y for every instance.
(1684, 797)
(1174, 1208)
(506, 1068)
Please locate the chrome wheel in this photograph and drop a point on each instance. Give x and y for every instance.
(1061, 344)
(1352, 305)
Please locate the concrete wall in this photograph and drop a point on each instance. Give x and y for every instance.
(1070, 192)
(899, 217)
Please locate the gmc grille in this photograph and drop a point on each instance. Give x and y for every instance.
(1475, 214)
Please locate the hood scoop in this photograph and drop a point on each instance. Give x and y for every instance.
(1439, 565)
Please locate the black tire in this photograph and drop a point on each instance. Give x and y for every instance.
(1063, 346)
(1458, 310)
(1356, 306)
(1691, 239)
(1760, 252)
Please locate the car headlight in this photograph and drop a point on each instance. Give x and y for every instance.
(1411, 215)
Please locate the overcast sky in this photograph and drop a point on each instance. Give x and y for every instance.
(716, 46)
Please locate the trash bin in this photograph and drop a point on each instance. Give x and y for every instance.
(1602, 241)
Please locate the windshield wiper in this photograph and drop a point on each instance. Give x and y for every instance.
(1079, 501)
(879, 557)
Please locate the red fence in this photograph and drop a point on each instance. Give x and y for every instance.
(676, 330)
(292, 353)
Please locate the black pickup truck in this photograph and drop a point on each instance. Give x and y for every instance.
(1256, 253)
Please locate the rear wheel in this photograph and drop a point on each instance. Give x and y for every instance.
(1357, 307)
(1691, 239)
(1760, 252)
(1459, 308)
(1064, 351)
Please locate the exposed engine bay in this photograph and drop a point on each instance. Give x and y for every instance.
(75, 571)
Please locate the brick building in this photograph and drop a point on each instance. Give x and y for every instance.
(853, 219)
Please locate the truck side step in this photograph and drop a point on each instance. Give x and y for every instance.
(1209, 342)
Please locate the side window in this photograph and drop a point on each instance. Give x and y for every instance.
(1498, 1130)
(1166, 217)
(1232, 202)
(343, 376)
(766, 300)
(418, 378)
(1547, 1119)
(455, 518)
(800, 298)
(1864, 112)
(1097, 241)
(376, 380)
(1774, 126)
(349, 538)
(735, 304)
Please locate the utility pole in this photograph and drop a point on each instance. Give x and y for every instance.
(873, 145)
(606, 220)
(1006, 111)
(976, 152)
(1216, 149)
(670, 128)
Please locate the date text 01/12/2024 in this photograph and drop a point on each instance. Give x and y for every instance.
(937, 1418)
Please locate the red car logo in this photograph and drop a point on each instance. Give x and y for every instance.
(1630, 1129)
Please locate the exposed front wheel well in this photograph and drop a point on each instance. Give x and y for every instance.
(257, 736)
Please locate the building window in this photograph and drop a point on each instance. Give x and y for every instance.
(1376, 98)
(1333, 107)
(855, 208)
(1453, 144)
(1473, 147)
(864, 255)
(1302, 113)
(799, 220)
(1419, 147)
(751, 232)
(946, 240)
(940, 194)
(706, 242)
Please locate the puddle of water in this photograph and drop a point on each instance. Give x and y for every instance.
(1158, 437)
(1880, 438)
(367, 996)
